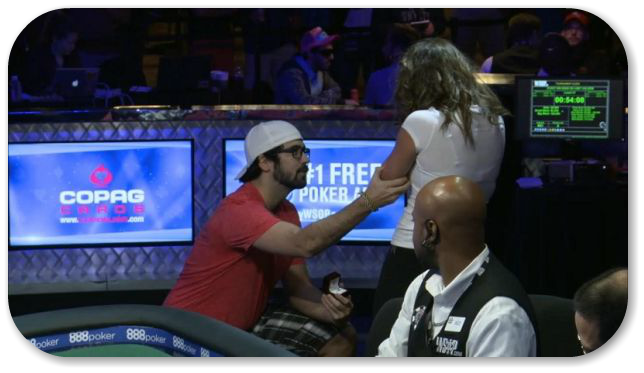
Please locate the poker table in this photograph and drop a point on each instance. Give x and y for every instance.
(139, 330)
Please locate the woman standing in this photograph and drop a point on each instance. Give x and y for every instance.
(452, 126)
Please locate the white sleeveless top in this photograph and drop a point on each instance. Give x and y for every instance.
(443, 153)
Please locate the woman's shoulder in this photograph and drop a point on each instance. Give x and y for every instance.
(430, 116)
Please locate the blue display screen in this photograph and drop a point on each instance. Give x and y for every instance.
(338, 171)
(100, 193)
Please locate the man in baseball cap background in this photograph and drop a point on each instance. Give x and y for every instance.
(575, 28)
(584, 58)
(254, 239)
(316, 38)
(305, 78)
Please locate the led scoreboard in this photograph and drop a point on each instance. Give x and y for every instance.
(569, 108)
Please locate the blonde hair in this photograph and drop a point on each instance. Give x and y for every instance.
(434, 73)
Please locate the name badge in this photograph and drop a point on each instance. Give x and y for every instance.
(454, 324)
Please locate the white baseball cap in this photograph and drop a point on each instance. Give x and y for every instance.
(266, 136)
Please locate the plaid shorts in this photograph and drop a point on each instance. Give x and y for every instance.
(298, 333)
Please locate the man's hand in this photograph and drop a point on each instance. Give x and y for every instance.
(383, 192)
(338, 307)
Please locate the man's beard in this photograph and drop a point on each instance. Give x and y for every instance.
(293, 183)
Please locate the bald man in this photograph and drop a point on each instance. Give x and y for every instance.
(600, 306)
(471, 305)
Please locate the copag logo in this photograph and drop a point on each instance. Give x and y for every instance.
(101, 176)
(103, 200)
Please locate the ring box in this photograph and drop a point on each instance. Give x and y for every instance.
(333, 284)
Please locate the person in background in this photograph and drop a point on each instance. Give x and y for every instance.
(586, 60)
(382, 83)
(575, 31)
(304, 79)
(254, 239)
(452, 126)
(41, 63)
(554, 56)
(522, 54)
(477, 30)
(470, 304)
(600, 306)
(427, 21)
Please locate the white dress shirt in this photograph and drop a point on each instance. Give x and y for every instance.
(501, 328)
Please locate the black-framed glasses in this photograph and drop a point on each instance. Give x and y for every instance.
(297, 151)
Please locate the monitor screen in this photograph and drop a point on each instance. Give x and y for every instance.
(100, 193)
(339, 170)
(569, 108)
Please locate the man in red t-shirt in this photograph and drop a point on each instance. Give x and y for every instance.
(254, 239)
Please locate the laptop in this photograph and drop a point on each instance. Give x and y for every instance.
(75, 83)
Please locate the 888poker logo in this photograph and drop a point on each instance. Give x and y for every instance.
(85, 337)
(140, 335)
(45, 343)
(124, 334)
(181, 345)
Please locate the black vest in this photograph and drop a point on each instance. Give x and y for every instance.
(493, 280)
